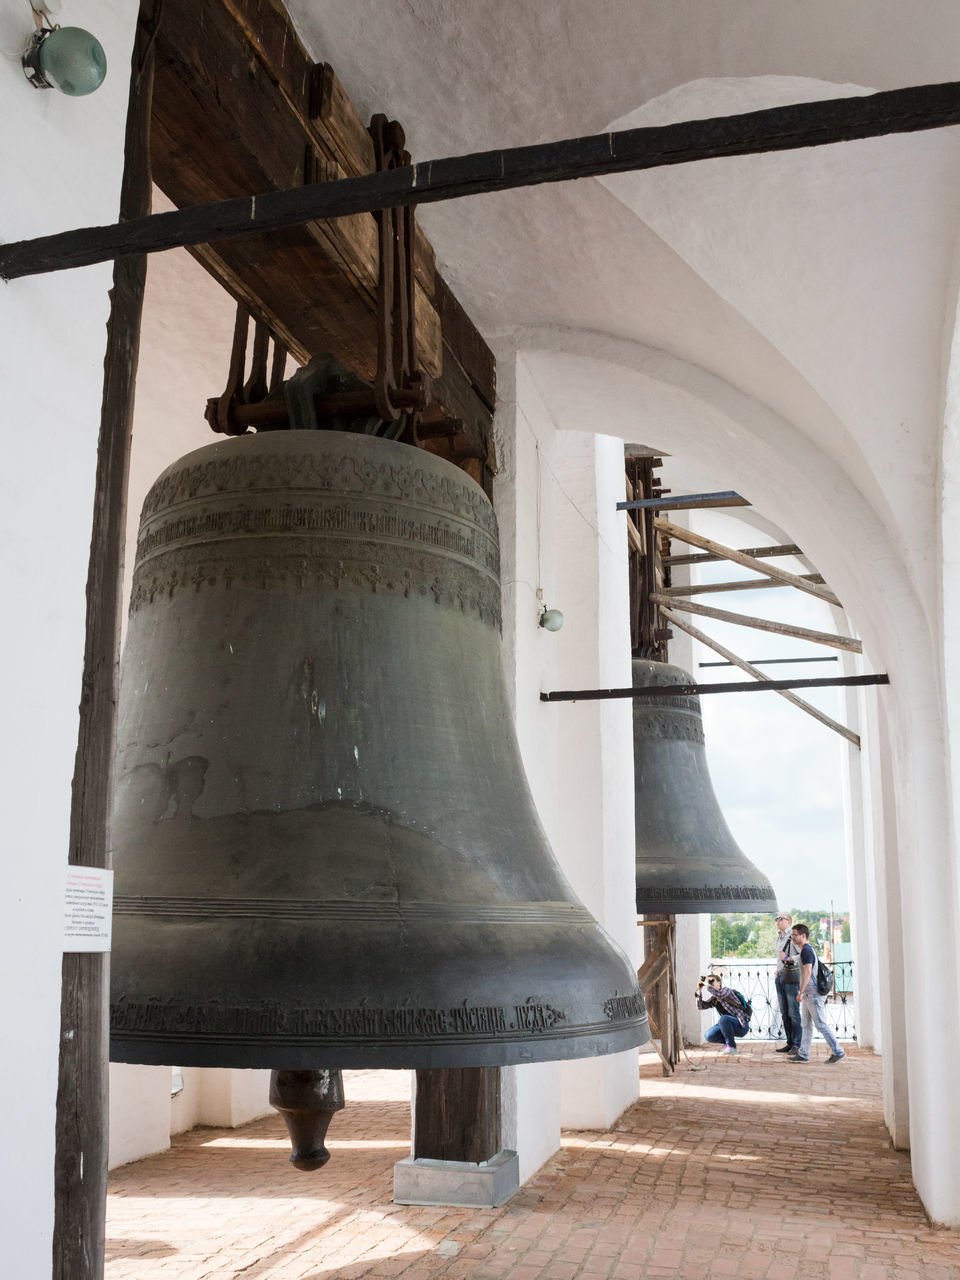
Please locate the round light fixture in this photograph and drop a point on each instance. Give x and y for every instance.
(65, 58)
(551, 619)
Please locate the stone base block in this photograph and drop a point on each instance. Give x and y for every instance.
(457, 1183)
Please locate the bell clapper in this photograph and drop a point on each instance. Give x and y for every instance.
(307, 1100)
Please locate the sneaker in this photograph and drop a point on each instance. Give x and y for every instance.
(796, 1058)
(729, 1050)
(787, 1048)
(836, 1057)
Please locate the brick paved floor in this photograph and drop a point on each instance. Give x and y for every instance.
(688, 1185)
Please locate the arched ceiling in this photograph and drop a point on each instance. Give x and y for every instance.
(818, 283)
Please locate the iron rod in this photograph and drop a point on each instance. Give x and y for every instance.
(685, 502)
(804, 124)
(773, 662)
(688, 690)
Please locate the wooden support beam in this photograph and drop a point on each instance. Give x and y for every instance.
(717, 647)
(634, 537)
(457, 1114)
(686, 502)
(80, 1158)
(640, 692)
(784, 549)
(748, 562)
(761, 624)
(806, 124)
(745, 584)
(239, 106)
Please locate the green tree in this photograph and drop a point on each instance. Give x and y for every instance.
(766, 938)
(845, 931)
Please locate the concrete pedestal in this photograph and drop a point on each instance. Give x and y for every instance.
(457, 1183)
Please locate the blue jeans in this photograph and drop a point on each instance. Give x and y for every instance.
(812, 1011)
(724, 1030)
(789, 1011)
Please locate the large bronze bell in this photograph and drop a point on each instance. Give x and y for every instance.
(326, 850)
(687, 860)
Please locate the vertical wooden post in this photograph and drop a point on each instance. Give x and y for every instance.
(457, 1115)
(80, 1167)
(661, 1001)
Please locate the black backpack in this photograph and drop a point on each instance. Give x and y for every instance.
(824, 978)
(747, 1006)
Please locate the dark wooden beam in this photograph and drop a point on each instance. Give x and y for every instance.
(80, 1161)
(457, 1114)
(809, 124)
(688, 690)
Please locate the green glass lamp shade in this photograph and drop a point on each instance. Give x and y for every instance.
(69, 59)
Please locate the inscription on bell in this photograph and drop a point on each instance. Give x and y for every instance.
(269, 1019)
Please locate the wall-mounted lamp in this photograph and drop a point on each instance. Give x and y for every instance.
(551, 619)
(65, 58)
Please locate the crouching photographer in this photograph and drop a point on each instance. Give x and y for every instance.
(733, 1020)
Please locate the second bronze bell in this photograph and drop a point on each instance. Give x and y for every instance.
(687, 861)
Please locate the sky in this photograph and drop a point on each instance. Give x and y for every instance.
(776, 771)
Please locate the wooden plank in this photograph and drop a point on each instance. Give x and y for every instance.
(762, 624)
(457, 1114)
(634, 537)
(784, 549)
(653, 968)
(336, 116)
(744, 584)
(219, 125)
(80, 1159)
(654, 1037)
(748, 562)
(808, 124)
(717, 647)
(465, 344)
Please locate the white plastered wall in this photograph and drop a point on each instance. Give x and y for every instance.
(555, 496)
(687, 411)
(58, 154)
(595, 829)
(531, 1094)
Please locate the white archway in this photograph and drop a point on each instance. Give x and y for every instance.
(595, 382)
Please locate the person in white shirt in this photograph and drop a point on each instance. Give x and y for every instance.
(787, 982)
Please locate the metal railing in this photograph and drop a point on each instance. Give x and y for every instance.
(754, 978)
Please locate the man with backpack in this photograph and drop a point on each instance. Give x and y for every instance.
(734, 1013)
(810, 999)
